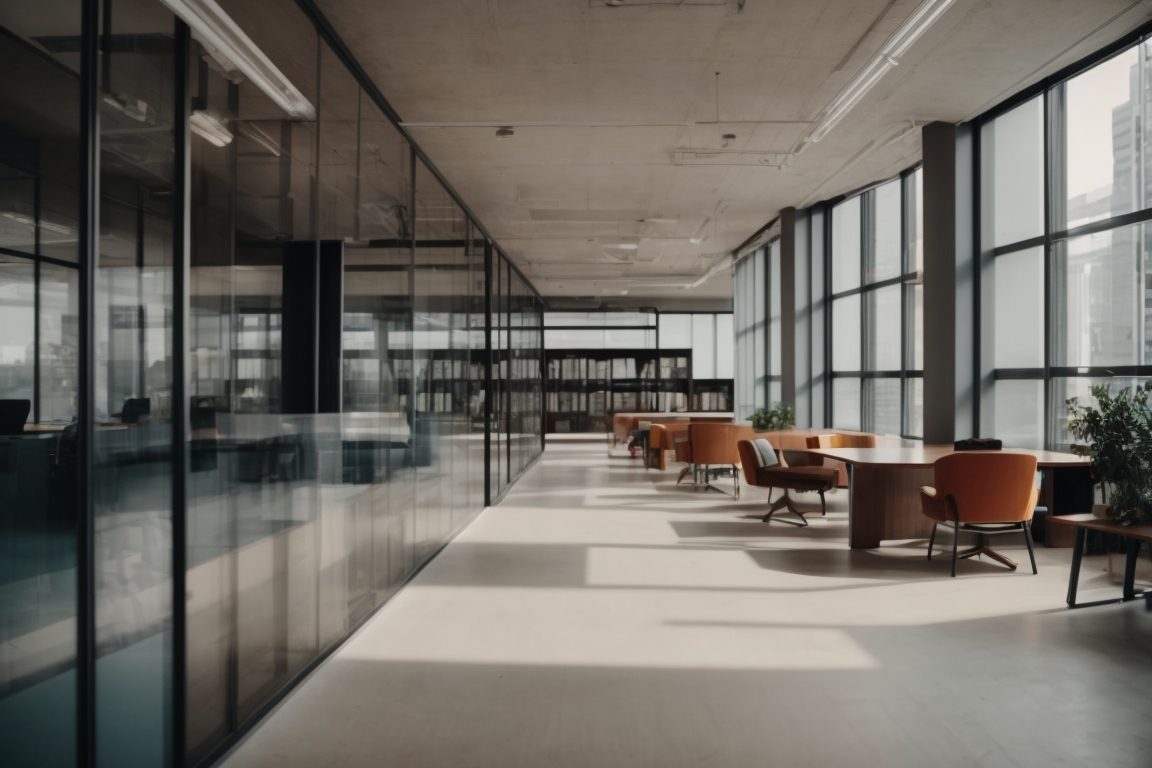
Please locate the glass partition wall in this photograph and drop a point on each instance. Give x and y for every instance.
(270, 369)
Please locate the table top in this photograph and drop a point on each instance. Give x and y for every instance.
(922, 456)
(1097, 523)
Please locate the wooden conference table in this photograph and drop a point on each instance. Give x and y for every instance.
(884, 488)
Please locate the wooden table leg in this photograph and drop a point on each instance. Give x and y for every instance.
(1074, 574)
(1132, 547)
(884, 503)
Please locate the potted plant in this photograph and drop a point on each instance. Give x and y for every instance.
(779, 416)
(1118, 436)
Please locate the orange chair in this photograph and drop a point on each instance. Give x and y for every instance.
(765, 467)
(986, 492)
(837, 440)
(713, 453)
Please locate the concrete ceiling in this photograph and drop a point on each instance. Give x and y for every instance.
(617, 183)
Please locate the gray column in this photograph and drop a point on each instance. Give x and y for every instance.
(949, 283)
(788, 372)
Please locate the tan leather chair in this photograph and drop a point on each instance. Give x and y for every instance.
(986, 492)
(839, 440)
(765, 467)
(713, 451)
(663, 437)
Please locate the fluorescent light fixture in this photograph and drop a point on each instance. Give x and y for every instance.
(260, 137)
(236, 52)
(209, 128)
(28, 221)
(921, 19)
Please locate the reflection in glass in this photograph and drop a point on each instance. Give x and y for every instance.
(132, 477)
(39, 211)
(1098, 308)
(1101, 111)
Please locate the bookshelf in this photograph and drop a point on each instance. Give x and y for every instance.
(585, 387)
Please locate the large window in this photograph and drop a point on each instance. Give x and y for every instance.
(1065, 293)
(756, 321)
(876, 307)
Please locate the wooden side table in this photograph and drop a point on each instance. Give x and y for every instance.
(1133, 535)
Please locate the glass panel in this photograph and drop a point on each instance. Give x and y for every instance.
(1016, 415)
(1012, 175)
(846, 245)
(724, 347)
(774, 309)
(1101, 142)
(600, 319)
(675, 331)
(914, 407)
(846, 334)
(914, 221)
(132, 454)
(17, 329)
(846, 403)
(703, 347)
(1017, 293)
(39, 211)
(884, 328)
(264, 563)
(915, 341)
(1079, 387)
(883, 404)
(1097, 302)
(886, 256)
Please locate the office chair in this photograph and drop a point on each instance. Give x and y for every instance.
(13, 415)
(765, 468)
(135, 410)
(985, 492)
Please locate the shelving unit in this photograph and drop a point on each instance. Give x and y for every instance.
(585, 387)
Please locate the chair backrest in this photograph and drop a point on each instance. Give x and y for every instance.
(135, 410)
(713, 444)
(837, 440)
(988, 486)
(753, 455)
(13, 414)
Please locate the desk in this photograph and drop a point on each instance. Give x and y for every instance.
(884, 487)
(1134, 536)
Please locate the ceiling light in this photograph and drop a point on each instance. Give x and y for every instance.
(28, 221)
(209, 128)
(625, 246)
(236, 52)
(924, 16)
(504, 132)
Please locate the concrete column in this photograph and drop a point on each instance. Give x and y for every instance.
(788, 372)
(949, 282)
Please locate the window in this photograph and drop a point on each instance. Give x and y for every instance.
(877, 324)
(1068, 305)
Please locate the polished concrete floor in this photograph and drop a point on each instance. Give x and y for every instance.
(602, 616)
